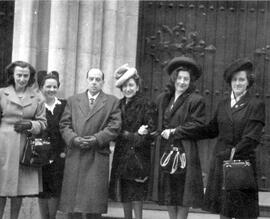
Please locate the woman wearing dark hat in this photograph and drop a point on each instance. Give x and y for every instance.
(131, 161)
(238, 124)
(22, 110)
(52, 174)
(179, 106)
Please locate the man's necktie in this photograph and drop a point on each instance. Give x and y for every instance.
(92, 100)
(91, 103)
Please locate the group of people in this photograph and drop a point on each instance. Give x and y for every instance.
(81, 128)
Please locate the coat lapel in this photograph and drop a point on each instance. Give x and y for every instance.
(83, 104)
(99, 104)
(180, 100)
(12, 96)
(242, 103)
(28, 98)
(228, 108)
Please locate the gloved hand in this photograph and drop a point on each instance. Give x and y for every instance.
(22, 126)
(89, 142)
(143, 130)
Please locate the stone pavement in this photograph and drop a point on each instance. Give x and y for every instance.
(30, 210)
(115, 211)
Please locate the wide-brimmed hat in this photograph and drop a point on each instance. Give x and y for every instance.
(123, 73)
(183, 61)
(238, 65)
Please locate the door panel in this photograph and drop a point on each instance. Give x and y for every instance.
(6, 34)
(215, 33)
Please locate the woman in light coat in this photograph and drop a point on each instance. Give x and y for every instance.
(22, 110)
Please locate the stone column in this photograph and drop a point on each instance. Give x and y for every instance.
(24, 31)
(85, 42)
(62, 43)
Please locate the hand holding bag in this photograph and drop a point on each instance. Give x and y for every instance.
(36, 152)
(173, 161)
(238, 174)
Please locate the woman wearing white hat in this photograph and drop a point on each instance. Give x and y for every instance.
(131, 162)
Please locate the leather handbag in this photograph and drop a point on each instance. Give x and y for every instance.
(36, 152)
(173, 161)
(238, 174)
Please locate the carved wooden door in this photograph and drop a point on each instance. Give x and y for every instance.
(6, 34)
(215, 33)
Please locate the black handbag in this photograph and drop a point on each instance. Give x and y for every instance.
(134, 166)
(36, 152)
(173, 161)
(238, 174)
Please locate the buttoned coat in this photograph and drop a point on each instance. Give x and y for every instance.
(85, 183)
(239, 127)
(188, 111)
(137, 112)
(16, 179)
(52, 174)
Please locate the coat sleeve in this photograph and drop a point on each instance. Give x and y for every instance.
(195, 127)
(253, 130)
(39, 123)
(113, 127)
(149, 118)
(65, 124)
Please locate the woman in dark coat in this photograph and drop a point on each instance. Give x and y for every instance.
(129, 182)
(181, 107)
(238, 124)
(52, 174)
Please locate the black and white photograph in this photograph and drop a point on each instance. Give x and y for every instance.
(134, 109)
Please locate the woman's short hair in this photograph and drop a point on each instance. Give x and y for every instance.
(9, 70)
(243, 64)
(42, 76)
(175, 73)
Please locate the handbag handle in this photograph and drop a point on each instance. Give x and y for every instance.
(175, 163)
(232, 153)
(166, 161)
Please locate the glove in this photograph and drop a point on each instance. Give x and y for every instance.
(89, 142)
(143, 130)
(22, 126)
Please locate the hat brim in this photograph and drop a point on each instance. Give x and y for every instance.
(127, 75)
(238, 65)
(190, 63)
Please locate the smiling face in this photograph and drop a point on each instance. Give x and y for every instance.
(50, 88)
(130, 88)
(182, 81)
(21, 77)
(239, 82)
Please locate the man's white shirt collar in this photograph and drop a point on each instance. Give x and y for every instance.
(91, 96)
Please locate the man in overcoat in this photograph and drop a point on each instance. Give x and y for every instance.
(90, 121)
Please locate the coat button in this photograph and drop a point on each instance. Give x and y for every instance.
(131, 148)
